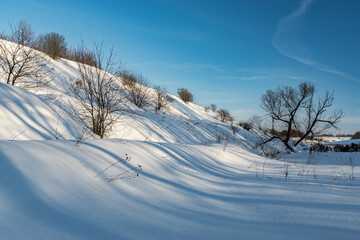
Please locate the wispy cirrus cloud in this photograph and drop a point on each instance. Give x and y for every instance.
(287, 40)
(39, 4)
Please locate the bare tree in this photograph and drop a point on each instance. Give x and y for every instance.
(53, 44)
(255, 121)
(160, 98)
(295, 112)
(185, 95)
(20, 64)
(224, 115)
(98, 94)
(137, 88)
(23, 34)
(213, 107)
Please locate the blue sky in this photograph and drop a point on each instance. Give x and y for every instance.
(225, 52)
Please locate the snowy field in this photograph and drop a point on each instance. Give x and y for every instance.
(55, 190)
(180, 174)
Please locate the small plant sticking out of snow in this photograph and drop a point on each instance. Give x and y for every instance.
(130, 173)
(16, 135)
(286, 170)
(219, 138)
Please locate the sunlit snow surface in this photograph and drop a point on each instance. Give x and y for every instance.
(160, 176)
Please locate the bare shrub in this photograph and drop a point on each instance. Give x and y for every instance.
(318, 147)
(213, 107)
(185, 95)
(246, 125)
(234, 128)
(137, 87)
(207, 109)
(98, 93)
(353, 147)
(224, 115)
(128, 78)
(82, 55)
(20, 64)
(160, 98)
(53, 44)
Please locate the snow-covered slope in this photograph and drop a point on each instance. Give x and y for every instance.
(47, 115)
(25, 116)
(180, 174)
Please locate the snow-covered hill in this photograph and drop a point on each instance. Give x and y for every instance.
(180, 174)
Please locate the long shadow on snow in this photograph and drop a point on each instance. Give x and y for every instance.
(214, 218)
(28, 114)
(16, 186)
(255, 199)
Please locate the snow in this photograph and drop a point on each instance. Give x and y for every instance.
(334, 139)
(183, 191)
(180, 174)
(344, 142)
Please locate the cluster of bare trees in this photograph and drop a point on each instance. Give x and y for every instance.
(19, 63)
(98, 94)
